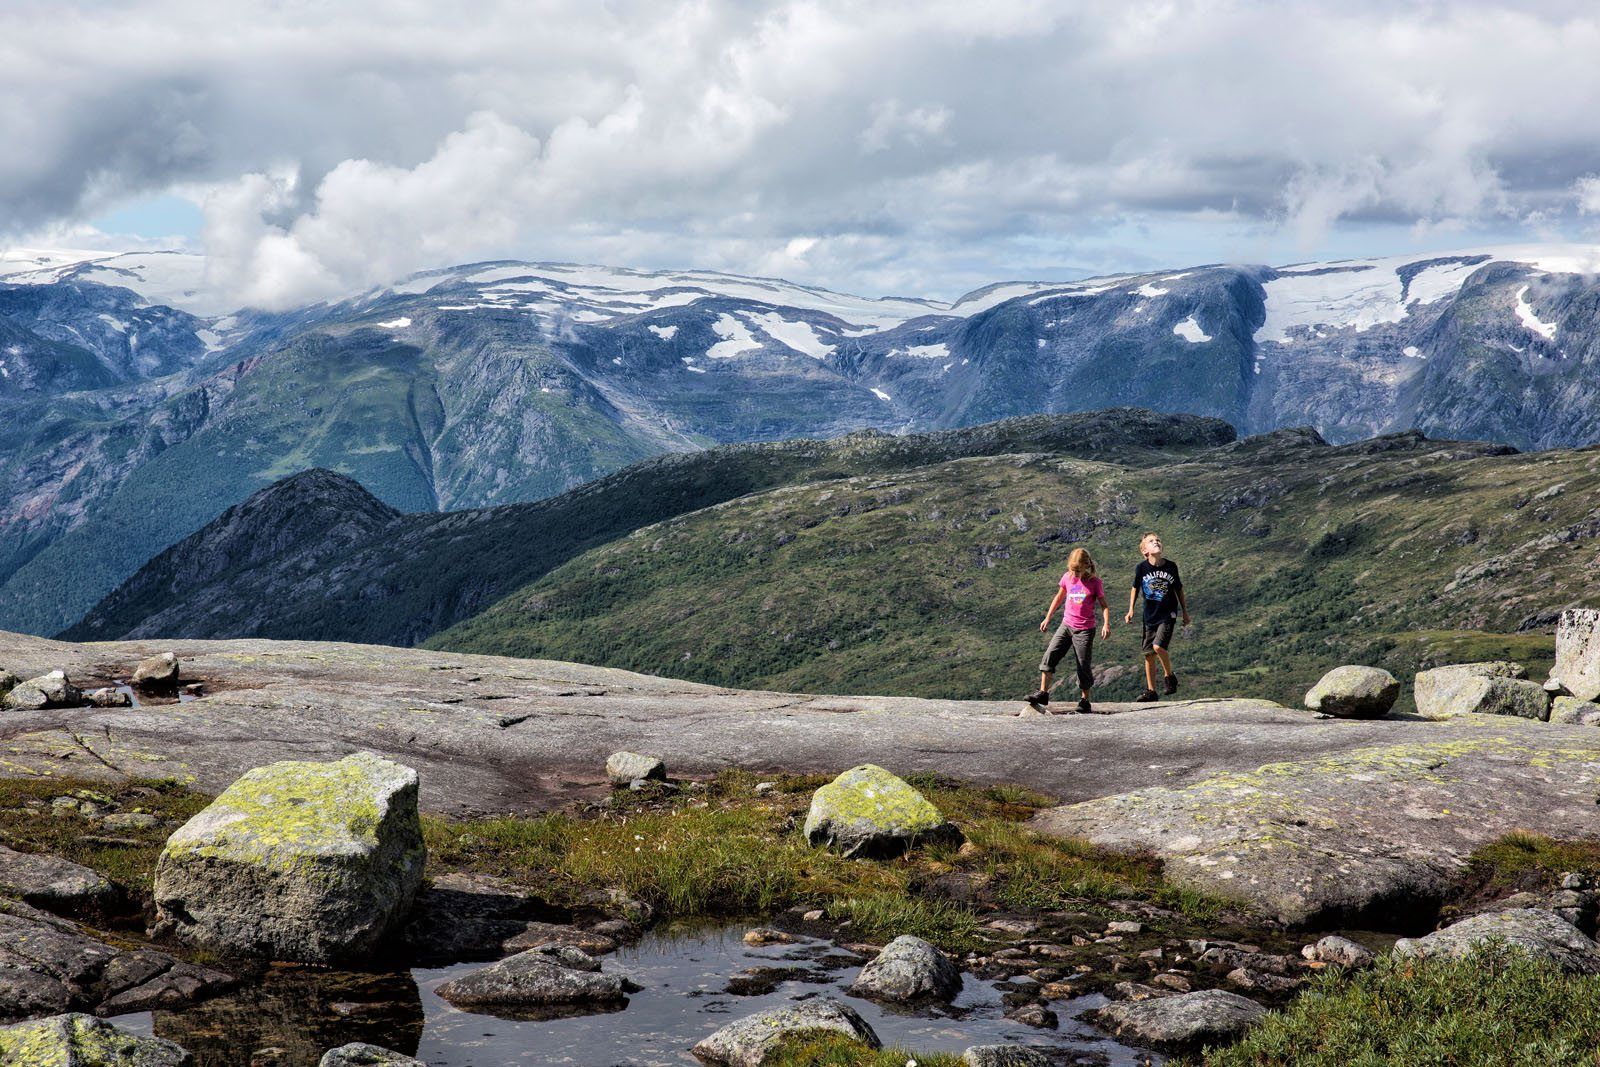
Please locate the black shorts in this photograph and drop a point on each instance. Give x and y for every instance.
(1159, 635)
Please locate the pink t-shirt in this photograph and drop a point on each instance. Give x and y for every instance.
(1081, 599)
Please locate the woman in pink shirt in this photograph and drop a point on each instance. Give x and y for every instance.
(1082, 593)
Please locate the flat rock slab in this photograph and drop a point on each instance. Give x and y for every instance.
(1338, 837)
(1301, 814)
(1184, 1022)
(53, 883)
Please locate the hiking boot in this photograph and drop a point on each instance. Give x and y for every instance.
(1040, 699)
(1084, 707)
(1170, 685)
(1147, 697)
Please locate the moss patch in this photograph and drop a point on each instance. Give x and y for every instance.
(826, 1048)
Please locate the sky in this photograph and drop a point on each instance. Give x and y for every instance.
(921, 148)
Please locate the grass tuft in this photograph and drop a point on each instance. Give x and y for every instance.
(1495, 1008)
(829, 1048)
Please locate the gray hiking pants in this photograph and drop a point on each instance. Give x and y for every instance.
(1081, 642)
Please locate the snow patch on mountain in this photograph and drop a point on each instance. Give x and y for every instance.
(396, 324)
(666, 333)
(1530, 318)
(938, 351)
(879, 393)
(1189, 329)
(736, 338)
(793, 334)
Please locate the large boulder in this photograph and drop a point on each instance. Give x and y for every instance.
(909, 969)
(1540, 934)
(868, 812)
(359, 1054)
(536, 979)
(748, 1042)
(1494, 688)
(53, 883)
(1184, 1022)
(297, 861)
(1354, 693)
(51, 690)
(1578, 652)
(158, 674)
(625, 768)
(76, 1040)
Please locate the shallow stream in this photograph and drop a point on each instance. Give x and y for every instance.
(296, 1014)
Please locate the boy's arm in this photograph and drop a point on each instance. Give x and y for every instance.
(1183, 603)
(1061, 594)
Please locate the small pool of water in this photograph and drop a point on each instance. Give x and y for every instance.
(296, 1014)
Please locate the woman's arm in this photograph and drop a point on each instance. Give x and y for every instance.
(1061, 594)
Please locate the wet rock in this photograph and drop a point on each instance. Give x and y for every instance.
(108, 698)
(868, 812)
(1184, 1022)
(1004, 1056)
(541, 935)
(53, 883)
(534, 979)
(766, 935)
(77, 1040)
(49, 965)
(1035, 1015)
(357, 1054)
(749, 1041)
(1570, 711)
(625, 768)
(1353, 692)
(908, 969)
(300, 861)
(158, 674)
(1577, 664)
(1540, 934)
(1340, 951)
(1493, 688)
(51, 690)
(467, 917)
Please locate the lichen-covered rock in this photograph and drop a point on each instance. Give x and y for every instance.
(1578, 652)
(1005, 1056)
(76, 1040)
(107, 697)
(1340, 951)
(1494, 688)
(53, 883)
(908, 969)
(749, 1041)
(1540, 934)
(625, 768)
(158, 674)
(358, 1054)
(1570, 711)
(1353, 692)
(298, 861)
(869, 812)
(51, 690)
(537, 978)
(1183, 1022)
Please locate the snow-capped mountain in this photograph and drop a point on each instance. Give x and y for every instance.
(137, 405)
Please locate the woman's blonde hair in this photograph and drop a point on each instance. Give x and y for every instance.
(1081, 563)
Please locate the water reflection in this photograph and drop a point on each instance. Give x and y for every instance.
(295, 1015)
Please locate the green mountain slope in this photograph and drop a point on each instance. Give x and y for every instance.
(283, 564)
(1297, 556)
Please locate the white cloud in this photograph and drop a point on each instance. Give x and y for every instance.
(892, 147)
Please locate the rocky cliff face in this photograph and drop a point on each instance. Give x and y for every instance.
(128, 424)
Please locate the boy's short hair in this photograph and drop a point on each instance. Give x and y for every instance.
(1148, 534)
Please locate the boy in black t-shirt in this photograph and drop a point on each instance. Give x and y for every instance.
(1156, 578)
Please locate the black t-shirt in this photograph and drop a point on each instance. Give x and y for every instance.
(1159, 586)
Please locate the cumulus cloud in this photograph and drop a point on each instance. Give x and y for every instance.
(907, 147)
